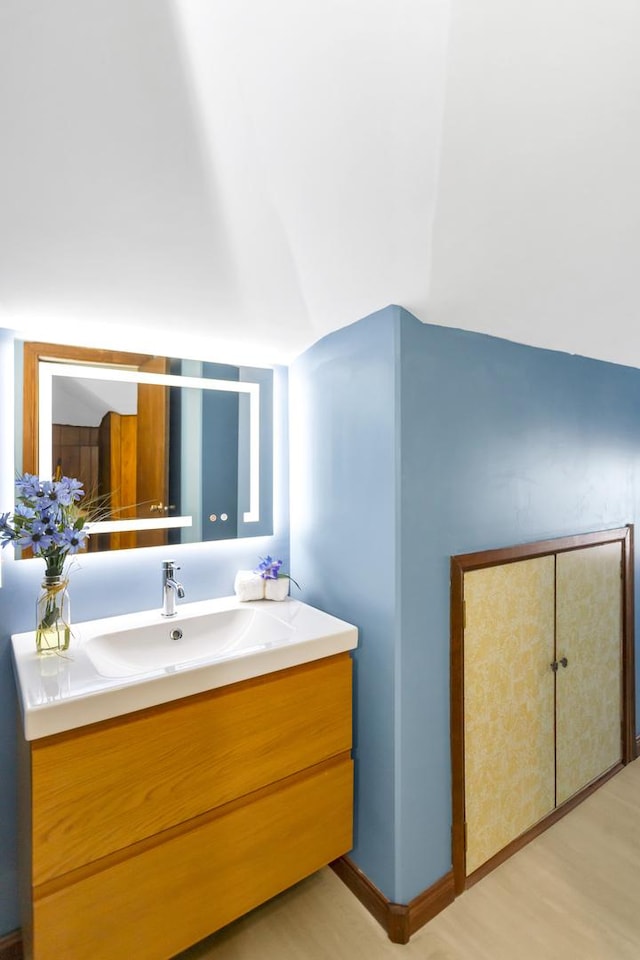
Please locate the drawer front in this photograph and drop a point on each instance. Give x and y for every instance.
(158, 902)
(104, 787)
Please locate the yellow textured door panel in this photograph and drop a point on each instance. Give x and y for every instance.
(589, 636)
(508, 703)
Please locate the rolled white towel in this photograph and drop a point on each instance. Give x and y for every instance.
(276, 589)
(248, 585)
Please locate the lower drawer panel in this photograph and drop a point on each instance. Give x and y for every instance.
(173, 894)
(107, 786)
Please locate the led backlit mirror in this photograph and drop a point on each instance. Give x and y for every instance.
(178, 451)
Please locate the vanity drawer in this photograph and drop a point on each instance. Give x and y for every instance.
(174, 892)
(100, 788)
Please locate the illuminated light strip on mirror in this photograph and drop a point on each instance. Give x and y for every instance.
(46, 373)
(117, 526)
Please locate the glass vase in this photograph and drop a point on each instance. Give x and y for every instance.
(53, 616)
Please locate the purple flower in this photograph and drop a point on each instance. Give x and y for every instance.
(268, 568)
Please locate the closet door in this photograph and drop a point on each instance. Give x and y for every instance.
(589, 694)
(508, 703)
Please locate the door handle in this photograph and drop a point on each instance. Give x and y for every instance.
(558, 663)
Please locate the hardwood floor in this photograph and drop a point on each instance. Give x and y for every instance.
(571, 894)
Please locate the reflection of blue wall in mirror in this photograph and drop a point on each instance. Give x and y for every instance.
(220, 442)
(185, 471)
(203, 481)
(209, 480)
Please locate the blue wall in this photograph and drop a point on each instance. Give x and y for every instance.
(344, 461)
(105, 585)
(455, 442)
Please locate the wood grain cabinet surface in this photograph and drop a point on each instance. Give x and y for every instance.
(148, 832)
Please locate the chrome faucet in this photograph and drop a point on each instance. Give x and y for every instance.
(170, 588)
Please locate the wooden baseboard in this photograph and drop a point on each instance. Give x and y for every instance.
(11, 946)
(400, 920)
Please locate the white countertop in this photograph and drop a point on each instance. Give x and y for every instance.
(60, 692)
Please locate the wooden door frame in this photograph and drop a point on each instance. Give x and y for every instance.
(464, 563)
(33, 353)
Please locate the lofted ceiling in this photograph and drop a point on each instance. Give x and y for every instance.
(235, 178)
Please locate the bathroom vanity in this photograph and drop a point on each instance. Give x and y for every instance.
(173, 796)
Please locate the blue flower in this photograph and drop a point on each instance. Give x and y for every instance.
(47, 519)
(24, 511)
(51, 494)
(51, 529)
(7, 534)
(74, 539)
(36, 537)
(70, 490)
(27, 486)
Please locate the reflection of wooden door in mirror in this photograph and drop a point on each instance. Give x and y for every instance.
(145, 476)
(75, 451)
(117, 443)
(152, 461)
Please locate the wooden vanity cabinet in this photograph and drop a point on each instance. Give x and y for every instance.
(150, 831)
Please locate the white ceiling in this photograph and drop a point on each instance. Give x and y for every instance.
(236, 178)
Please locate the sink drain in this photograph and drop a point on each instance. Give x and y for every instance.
(176, 634)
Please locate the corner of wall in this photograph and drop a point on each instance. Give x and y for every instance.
(343, 544)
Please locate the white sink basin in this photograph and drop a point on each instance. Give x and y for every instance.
(180, 642)
(121, 664)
